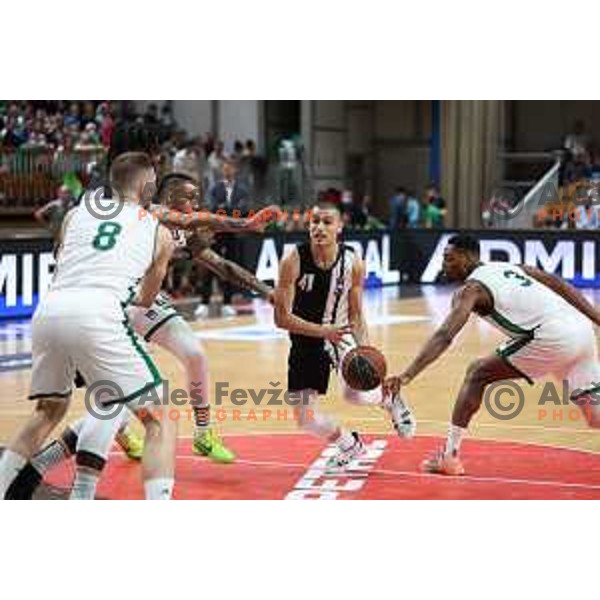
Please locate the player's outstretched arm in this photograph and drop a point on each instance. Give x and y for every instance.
(233, 273)
(463, 302)
(289, 271)
(355, 303)
(219, 221)
(152, 281)
(566, 290)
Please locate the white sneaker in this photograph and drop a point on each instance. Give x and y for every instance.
(402, 417)
(343, 457)
(201, 311)
(229, 311)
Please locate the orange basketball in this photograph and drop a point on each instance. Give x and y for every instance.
(364, 368)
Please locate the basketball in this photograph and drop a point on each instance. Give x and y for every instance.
(364, 368)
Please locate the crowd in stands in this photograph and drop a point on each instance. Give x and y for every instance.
(59, 125)
(577, 201)
(45, 144)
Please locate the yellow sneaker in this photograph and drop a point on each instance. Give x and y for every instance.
(209, 443)
(131, 443)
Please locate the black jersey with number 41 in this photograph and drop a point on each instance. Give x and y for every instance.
(321, 295)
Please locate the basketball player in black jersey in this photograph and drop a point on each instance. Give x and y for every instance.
(319, 301)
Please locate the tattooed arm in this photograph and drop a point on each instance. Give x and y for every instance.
(232, 272)
(219, 221)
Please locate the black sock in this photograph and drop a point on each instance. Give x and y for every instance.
(25, 484)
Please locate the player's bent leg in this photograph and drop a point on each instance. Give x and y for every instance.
(57, 451)
(348, 443)
(178, 338)
(311, 420)
(480, 373)
(47, 414)
(93, 445)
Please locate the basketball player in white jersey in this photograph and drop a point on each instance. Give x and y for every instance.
(163, 325)
(81, 324)
(550, 328)
(318, 299)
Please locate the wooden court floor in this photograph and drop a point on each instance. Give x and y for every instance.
(248, 353)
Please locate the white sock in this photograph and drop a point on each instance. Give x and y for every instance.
(159, 488)
(84, 486)
(455, 435)
(11, 464)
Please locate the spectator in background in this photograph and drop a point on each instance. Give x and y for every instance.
(72, 117)
(215, 164)
(208, 143)
(51, 215)
(359, 213)
(347, 201)
(228, 193)
(9, 136)
(167, 120)
(151, 115)
(435, 212)
(594, 169)
(413, 211)
(398, 209)
(88, 115)
(238, 151)
(577, 142)
(188, 161)
(107, 127)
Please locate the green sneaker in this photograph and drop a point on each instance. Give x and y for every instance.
(210, 444)
(131, 443)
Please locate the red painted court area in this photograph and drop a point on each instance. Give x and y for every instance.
(291, 466)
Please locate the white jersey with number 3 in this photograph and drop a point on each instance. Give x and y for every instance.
(521, 303)
(105, 256)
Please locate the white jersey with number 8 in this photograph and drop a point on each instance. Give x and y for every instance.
(109, 256)
(81, 323)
